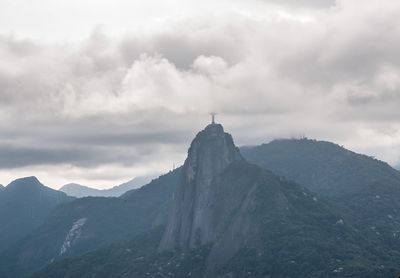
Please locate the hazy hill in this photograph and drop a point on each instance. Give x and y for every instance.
(79, 191)
(365, 189)
(24, 204)
(325, 168)
(89, 223)
(230, 218)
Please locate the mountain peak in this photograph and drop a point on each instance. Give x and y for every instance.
(211, 130)
(215, 127)
(26, 181)
(211, 152)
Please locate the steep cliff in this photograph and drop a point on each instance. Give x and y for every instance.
(192, 221)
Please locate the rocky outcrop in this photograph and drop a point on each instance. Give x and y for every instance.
(221, 200)
(192, 217)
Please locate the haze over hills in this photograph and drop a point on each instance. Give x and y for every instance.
(24, 204)
(230, 218)
(89, 223)
(365, 189)
(324, 167)
(79, 191)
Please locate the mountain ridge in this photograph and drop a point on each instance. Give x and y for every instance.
(346, 164)
(79, 191)
(366, 189)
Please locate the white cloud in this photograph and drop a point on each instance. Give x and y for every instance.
(134, 102)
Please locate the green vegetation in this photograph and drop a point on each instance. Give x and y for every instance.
(365, 190)
(292, 234)
(136, 257)
(325, 168)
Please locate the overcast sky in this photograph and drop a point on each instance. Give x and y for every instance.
(98, 92)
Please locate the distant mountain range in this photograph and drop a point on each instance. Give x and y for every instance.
(289, 208)
(79, 191)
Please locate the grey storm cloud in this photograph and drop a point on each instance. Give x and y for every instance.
(13, 157)
(138, 99)
(87, 141)
(87, 157)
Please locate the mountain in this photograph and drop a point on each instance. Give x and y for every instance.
(134, 183)
(24, 204)
(193, 220)
(365, 189)
(231, 218)
(89, 223)
(325, 168)
(79, 191)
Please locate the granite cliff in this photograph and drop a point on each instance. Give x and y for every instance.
(192, 221)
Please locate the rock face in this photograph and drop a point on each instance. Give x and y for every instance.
(191, 218)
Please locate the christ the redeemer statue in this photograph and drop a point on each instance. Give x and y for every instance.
(213, 117)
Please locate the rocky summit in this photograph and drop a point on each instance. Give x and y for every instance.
(192, 222)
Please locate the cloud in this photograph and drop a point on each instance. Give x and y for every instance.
(305, 3)
(134, 102)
